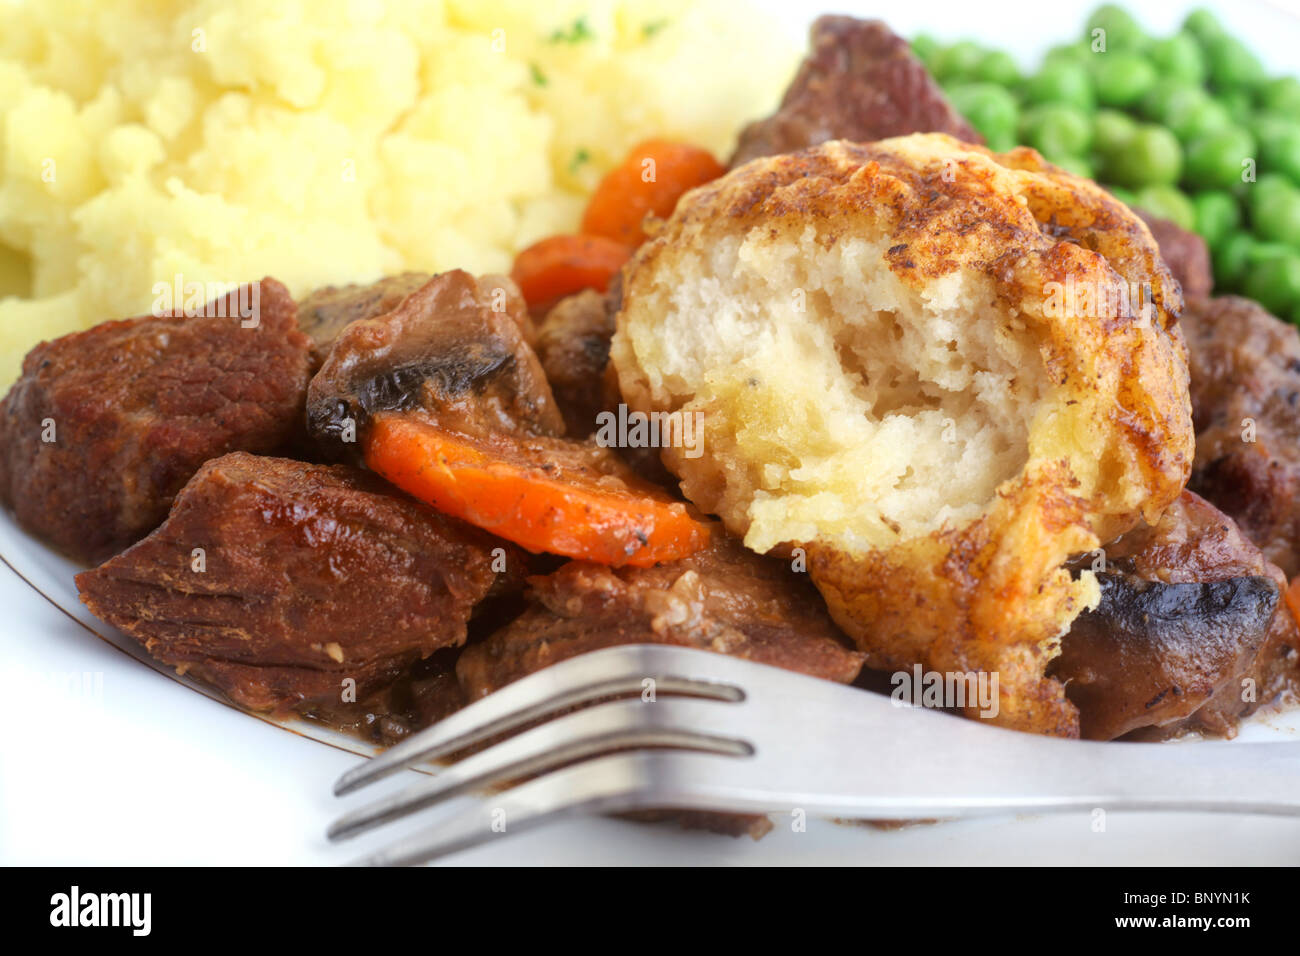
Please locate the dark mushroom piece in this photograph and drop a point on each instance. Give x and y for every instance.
(1190, 615)
(454, 350)
(1154, 652)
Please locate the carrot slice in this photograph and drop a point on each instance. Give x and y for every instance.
(546, 494)
(549, 270)
(649, 181)
(1293, 599)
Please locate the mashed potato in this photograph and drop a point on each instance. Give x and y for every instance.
(331, 141)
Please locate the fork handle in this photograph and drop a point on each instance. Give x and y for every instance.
(1201, 776)
(1030, 774)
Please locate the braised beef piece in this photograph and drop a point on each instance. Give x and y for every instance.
(307, 575)
(422, 695)
(573, 347)
(725, 599)
(1190, 609)
(859, 82)
(453, 350)
(1245, 371)
(328, 311)
(103, 427)
(1185, 253)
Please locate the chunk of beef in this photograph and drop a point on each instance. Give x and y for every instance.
(104, 427)
(419, 697)
(328, 311)
(1190, 610)
(859, 82)
(1185, 253)
(573, 347)
(452, 350)
(1245, 372)
(307, 575)
(725, 599)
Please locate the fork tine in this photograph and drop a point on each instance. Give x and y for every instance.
(610, 784)
(571, 683)
(574, 737)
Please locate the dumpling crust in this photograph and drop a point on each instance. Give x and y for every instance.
(1042, 409)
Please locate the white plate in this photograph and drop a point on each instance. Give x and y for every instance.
(104, 760)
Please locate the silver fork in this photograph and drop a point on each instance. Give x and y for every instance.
(709, 732)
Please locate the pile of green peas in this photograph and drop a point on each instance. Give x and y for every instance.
(1188, 127)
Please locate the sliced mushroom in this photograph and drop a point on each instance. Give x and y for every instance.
(1154, 652)
(454, 350)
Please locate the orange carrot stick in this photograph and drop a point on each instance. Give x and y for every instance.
(549, 270)
(649, 181)
(545, 494)
(1293, 599)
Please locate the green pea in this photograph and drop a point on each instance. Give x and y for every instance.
(1168, 202)
(1275, 213)
(1152, 157)
(1267, 126)
(1280, 221)
(1165, 95)
(1126, 196)
(1056, 130)
(1261, 252)
(1275, 283)
(1112, 131)
(1216, 160)
(991, 109)
(1079, 165)
(1121, 30)
(924, 47)
(1061, 82)
(1281, 96)
(1191, 118)
(1202, 24)
(1122, 78)
(1231, 64)
(1279, 147)
(1178, 57)
(1236, 102)
(1002, 142)
(997, 67)
(1079, 53)
(1266, 189)
(1217, 216)
(1232, 258)
(1267, 180)
(957, 62)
